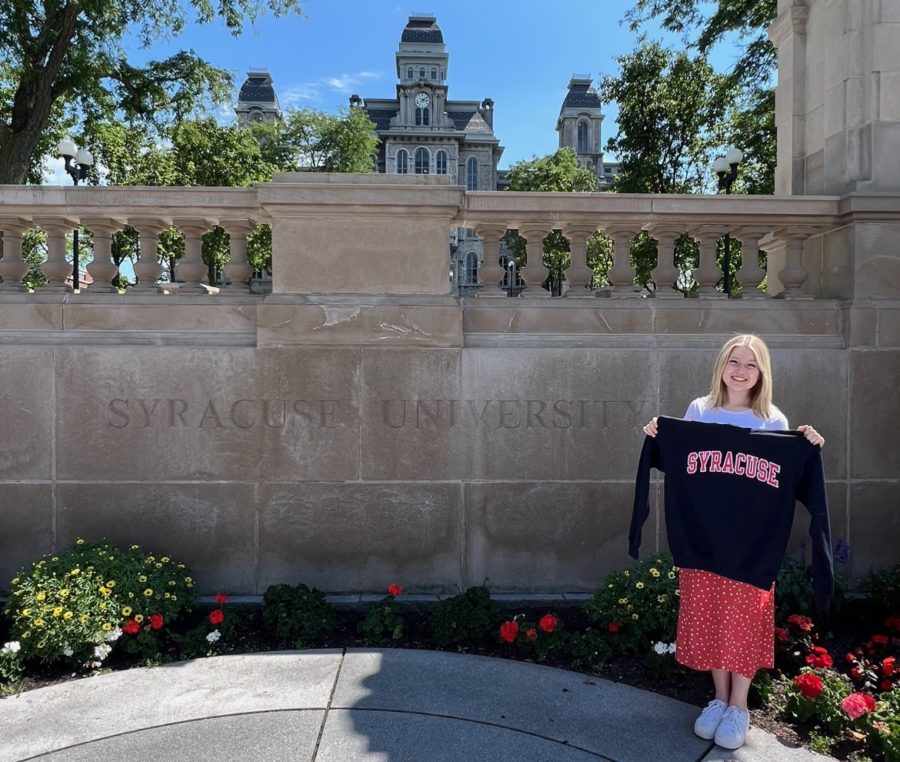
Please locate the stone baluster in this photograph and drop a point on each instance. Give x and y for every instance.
(579, 276)
(665, 274)
(750, 274)
(56, 269)
(13, 267)
(534, 236)
(192, 267)
(147, 268)
(238, 270)
(494, 273)
(621, 276)
(788, 244)
(708, 274)
(102, 269)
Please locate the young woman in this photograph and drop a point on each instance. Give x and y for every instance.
(727, 627)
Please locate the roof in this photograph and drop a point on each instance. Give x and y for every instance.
(257, 88)
(470, 122)
(382, 117)
(422, 29)
(582, 95)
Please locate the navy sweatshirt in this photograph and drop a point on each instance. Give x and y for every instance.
(729, 500)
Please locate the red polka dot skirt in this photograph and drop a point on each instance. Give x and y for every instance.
(724, 624)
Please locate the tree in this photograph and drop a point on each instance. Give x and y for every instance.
(68, 55)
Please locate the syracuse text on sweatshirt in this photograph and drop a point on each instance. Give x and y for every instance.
(729, 500)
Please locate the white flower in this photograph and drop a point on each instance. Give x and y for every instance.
(12, 647)
(67, 651)
(660, 648)
(102, 651)
(671, 648)
(113, 635)
(214, 636)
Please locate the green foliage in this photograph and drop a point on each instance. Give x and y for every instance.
(535, 640)
(11, 667)
(383, 623)
(590, 649)
(298, 614)
(761, 689)
(883, 730)
(883, 588)
(72, 604)
(465, 620)
(558, 172)
(69, 57)
(637, 607)
(824, 710)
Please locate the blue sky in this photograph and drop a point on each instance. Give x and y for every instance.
(521, 53)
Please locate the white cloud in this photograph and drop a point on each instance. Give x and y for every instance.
(312, 91)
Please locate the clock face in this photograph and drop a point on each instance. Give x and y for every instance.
(422, 100)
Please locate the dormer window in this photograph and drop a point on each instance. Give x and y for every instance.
(421, 72)
(409, 73)
(434, 73)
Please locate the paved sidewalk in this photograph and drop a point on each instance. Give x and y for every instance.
(389, 705)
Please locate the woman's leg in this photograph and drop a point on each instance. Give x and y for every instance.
(722, 681)
(740, 688)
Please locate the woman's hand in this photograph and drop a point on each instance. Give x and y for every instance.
(650, 429)
(813, 436)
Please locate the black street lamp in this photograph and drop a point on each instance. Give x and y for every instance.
(511, 277)
(77, 162)
(726, 169)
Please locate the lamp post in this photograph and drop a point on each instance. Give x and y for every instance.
(77, 162)
(726, 169)
(511, 277)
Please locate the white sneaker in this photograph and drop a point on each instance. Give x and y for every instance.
(709, 719)
(732, 730)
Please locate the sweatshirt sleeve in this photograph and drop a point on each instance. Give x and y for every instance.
(812, 494)
(640, 512)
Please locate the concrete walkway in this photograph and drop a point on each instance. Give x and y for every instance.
(388, 705)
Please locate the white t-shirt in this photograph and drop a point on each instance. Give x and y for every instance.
(701, 410)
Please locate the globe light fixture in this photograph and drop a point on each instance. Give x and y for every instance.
(726, 169)
(77, 160)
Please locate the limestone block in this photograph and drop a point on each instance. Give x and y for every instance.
(873, 409)
(547, 536)
(765, 317)
(161, 316)
(874, 525)
(861, 327)
(888, 327)
(876, 259)
(511, 316)
(29, 316)
(209, 527)
(889, 92)
(26, 408)
(361, 537)
(27, 520)
(164, 414)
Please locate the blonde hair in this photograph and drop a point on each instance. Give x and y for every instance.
(761, 393)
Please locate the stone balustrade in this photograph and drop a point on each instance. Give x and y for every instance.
(328, 230)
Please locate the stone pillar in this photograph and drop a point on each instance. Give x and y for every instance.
(750, 274)
(12, 266)
(579, 275)
(665, 274)
(493, 274)
(534, 235)
(786, 254)
(708, 274)
(238, 269)
(621, 276)
(56, 269)
(192, 267)
(147, 268)
(102, 269)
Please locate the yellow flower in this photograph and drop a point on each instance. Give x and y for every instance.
(26, 634)
(102, 605)
(42, 644)
(671, 575)
(130, 594)
(126, 610)
(165, 559)
(158, 565)
(39, 622)
(654, 572)
(83, 618)
(135, 547)
(40, 596)
(678, 593)
(661, 598)
(167, 596)
(14, 581)
(639, 585)
(68, 615)
(174, 597)
(150, 559)
(139, 618)
(79, 541)
(75, 572)
(111, 583)
(634, 616)
(55, 558)
(623, 601)
(180, 566)
(610, 585)
(26, 612)
(142, 578)
(148, 592)
(57, 612)
(172, 583)
(64, 593)
(105, 591)
(189, 585)
(106, 627)
(626, 573)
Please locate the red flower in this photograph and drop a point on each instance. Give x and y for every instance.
(394, 590)
(547, 623)
(131, 627)
(221, 598)
(886, 685)
(881, 640)
(887, 666)
(531, 633)
(892, 622)
(216, 616)
(781, 635)
(857, 704)
(613, 626)
(508, 631)
(809, 684)
(819, 658)
(803, 622)
(855, 673)
(849, 657)
(156, 621)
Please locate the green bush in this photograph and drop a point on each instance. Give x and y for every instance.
(814, 697)
(535, 640)
(465, 620)
(383, 622)
(637, 607)
(11, 667)
(883, 588)
(298, 614)
(72, 605)
(884, 731)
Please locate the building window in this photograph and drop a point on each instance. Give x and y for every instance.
(434, 73)
(471, 268)
(422, 117)
(440, 163)
(421, 72)
(472, 173)
(409, 72)
(583, 140)
(402, 162)
(422, 161)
